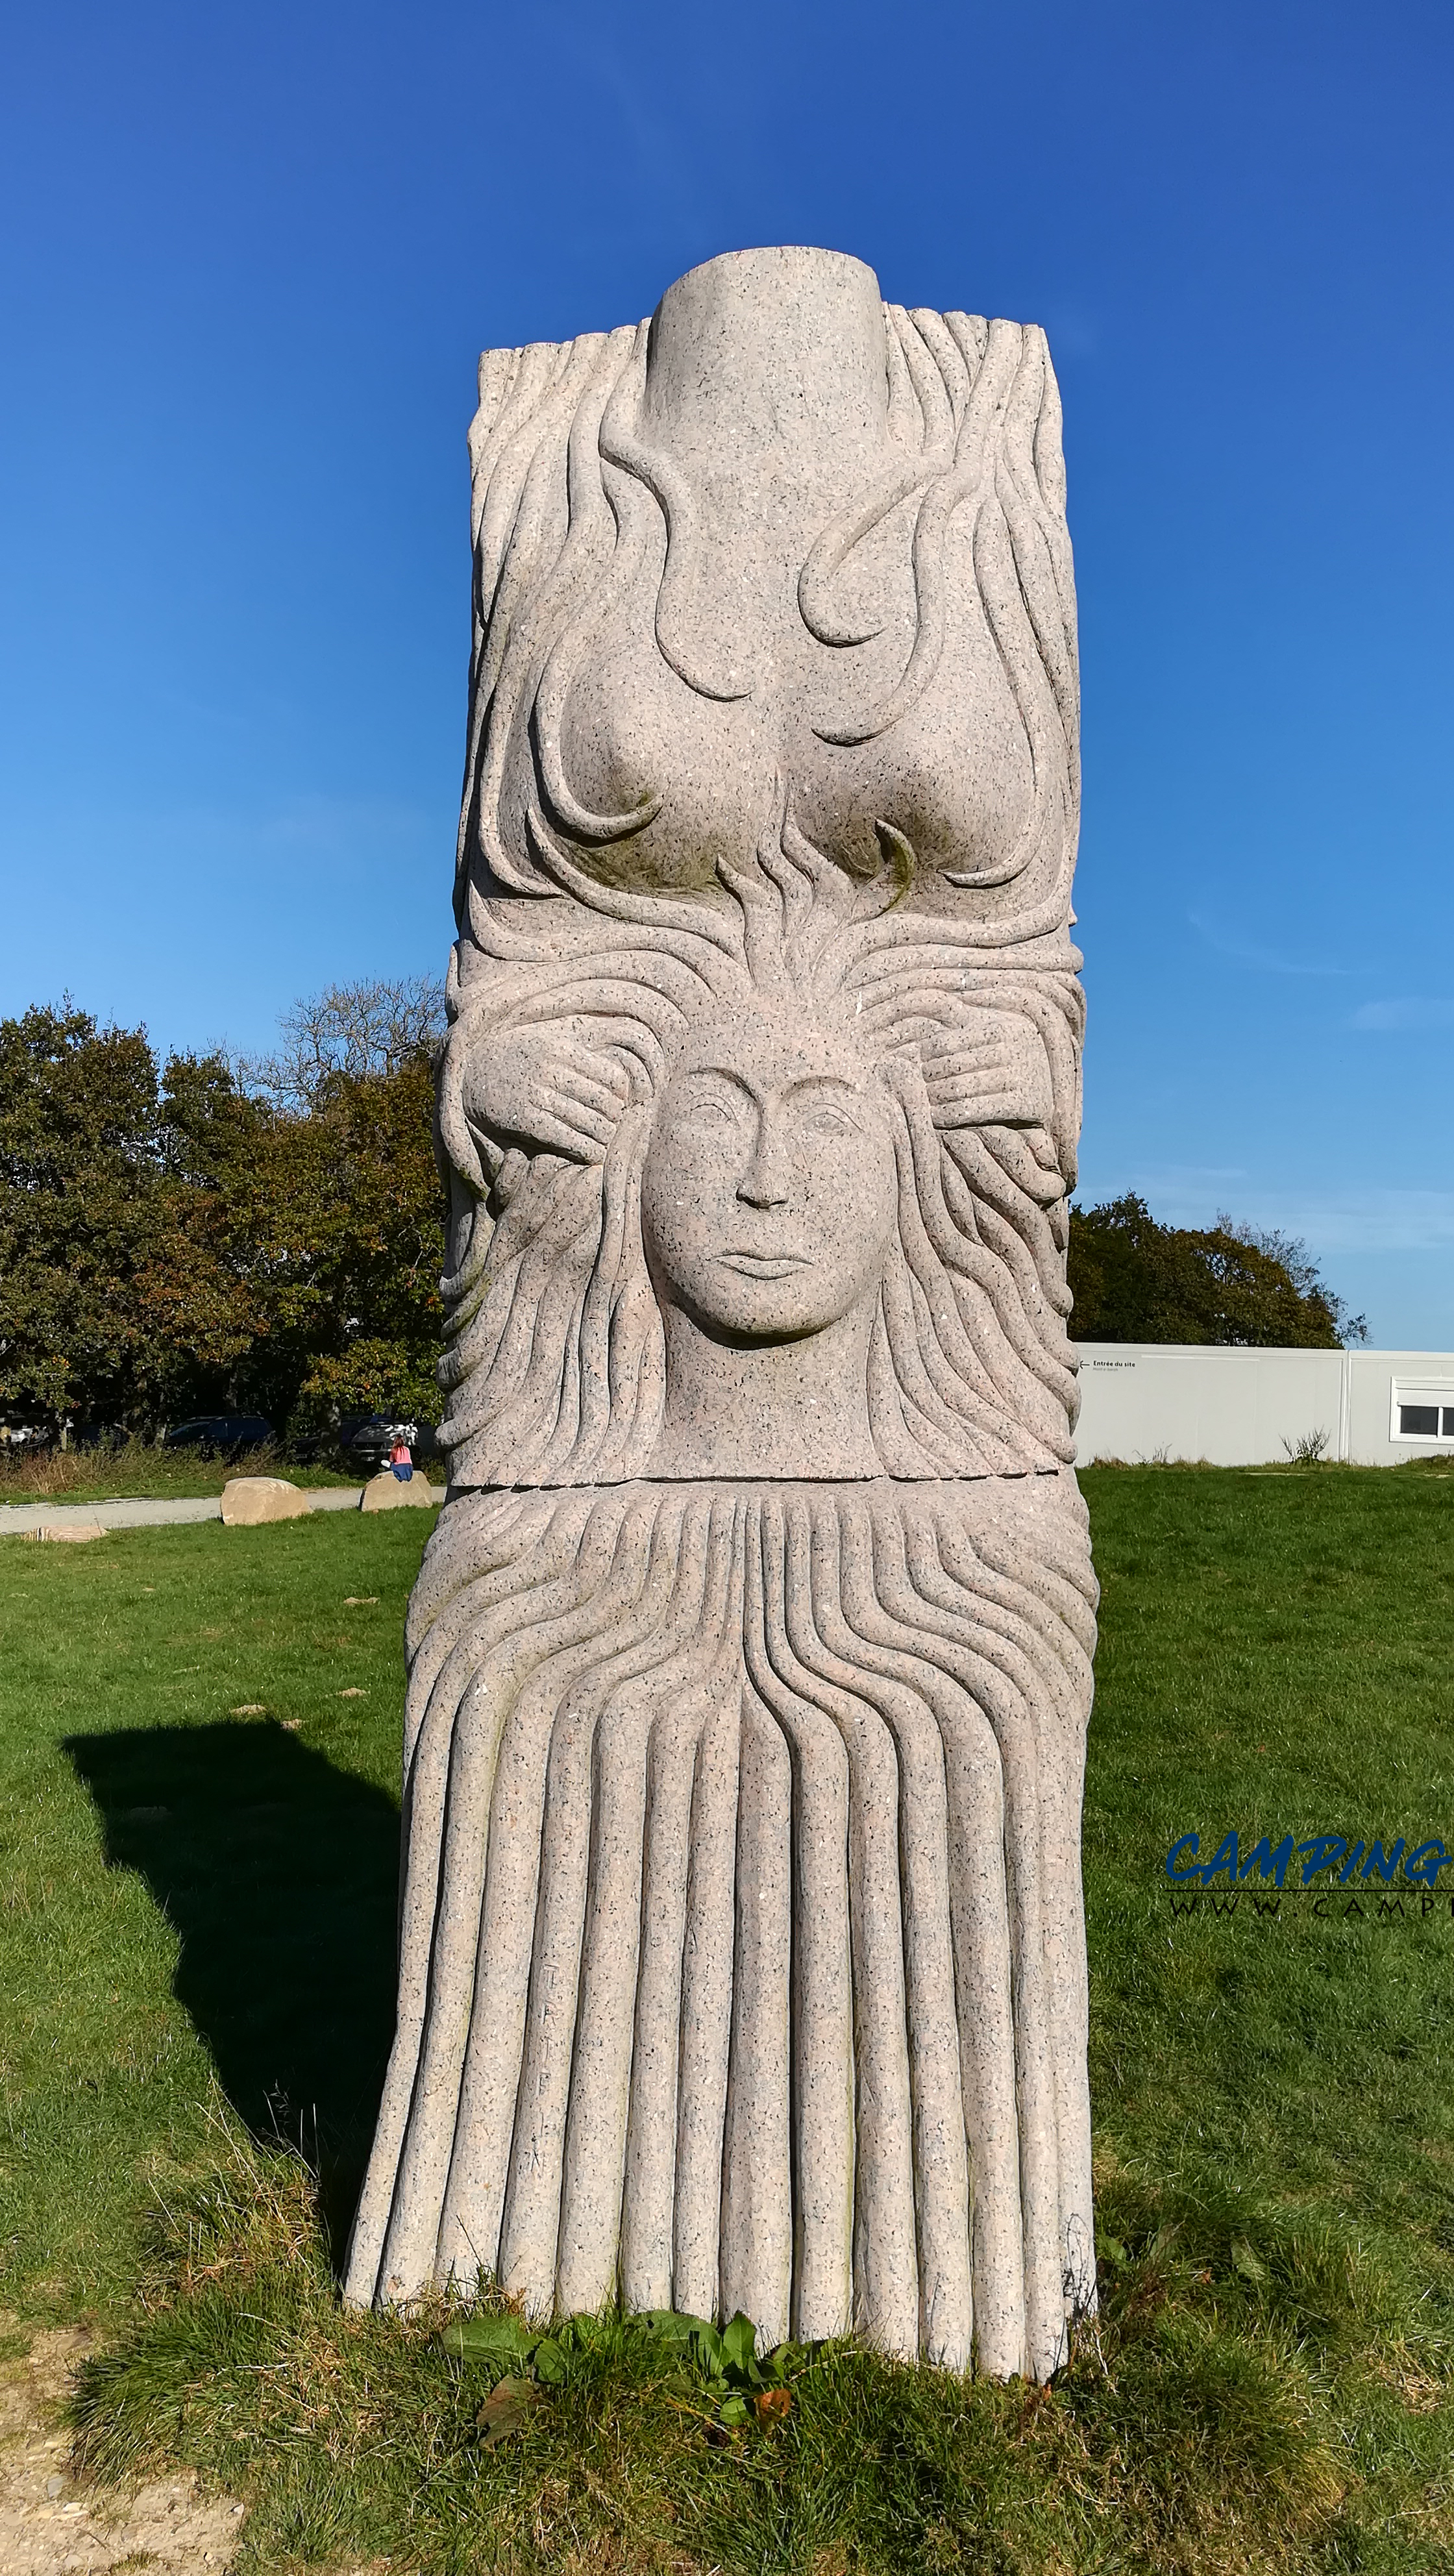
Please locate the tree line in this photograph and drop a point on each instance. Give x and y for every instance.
(1134, 1280)
(207, 1234)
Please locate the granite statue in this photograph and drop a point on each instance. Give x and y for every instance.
(742, 1953)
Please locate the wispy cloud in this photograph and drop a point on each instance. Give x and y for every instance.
(1407, 1014)
(313, 821)
(1332, 1221)
(1167, 1181)
(1369, 1220)
(1074, 331)
(1262, 961)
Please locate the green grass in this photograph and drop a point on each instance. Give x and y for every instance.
(198, 1903)
(197, 1937)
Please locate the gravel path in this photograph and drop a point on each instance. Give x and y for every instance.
(49, 2526)
(18, 1519)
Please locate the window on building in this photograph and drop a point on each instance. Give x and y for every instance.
(1426, 1421)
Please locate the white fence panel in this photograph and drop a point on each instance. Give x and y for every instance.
(1236, 1408)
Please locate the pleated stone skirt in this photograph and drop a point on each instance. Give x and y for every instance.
(742, 1952)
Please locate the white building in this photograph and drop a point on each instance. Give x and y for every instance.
(1236, 1408)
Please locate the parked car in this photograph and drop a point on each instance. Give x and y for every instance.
(371, 1440)
(216, 1433)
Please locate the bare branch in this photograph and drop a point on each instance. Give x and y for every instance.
(347, 1032)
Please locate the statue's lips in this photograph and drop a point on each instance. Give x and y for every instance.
(765, 1265)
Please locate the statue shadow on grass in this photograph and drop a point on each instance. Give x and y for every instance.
(278, 1873)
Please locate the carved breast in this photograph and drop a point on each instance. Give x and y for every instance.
(764, 699)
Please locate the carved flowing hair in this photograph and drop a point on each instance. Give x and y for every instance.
(570, 500)
(555, 1361)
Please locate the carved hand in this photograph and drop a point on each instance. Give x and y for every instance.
(991, 1071)
(548, 1086)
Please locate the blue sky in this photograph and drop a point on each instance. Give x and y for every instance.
(249, 260)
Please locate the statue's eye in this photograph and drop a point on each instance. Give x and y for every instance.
(712, 1109)
(829, 1118)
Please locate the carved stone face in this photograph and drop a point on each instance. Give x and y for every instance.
(768, 1193)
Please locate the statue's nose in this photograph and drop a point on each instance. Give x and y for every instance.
(765, 1183)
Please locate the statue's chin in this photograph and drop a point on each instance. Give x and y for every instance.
(758, 1322)
(734, 1304)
